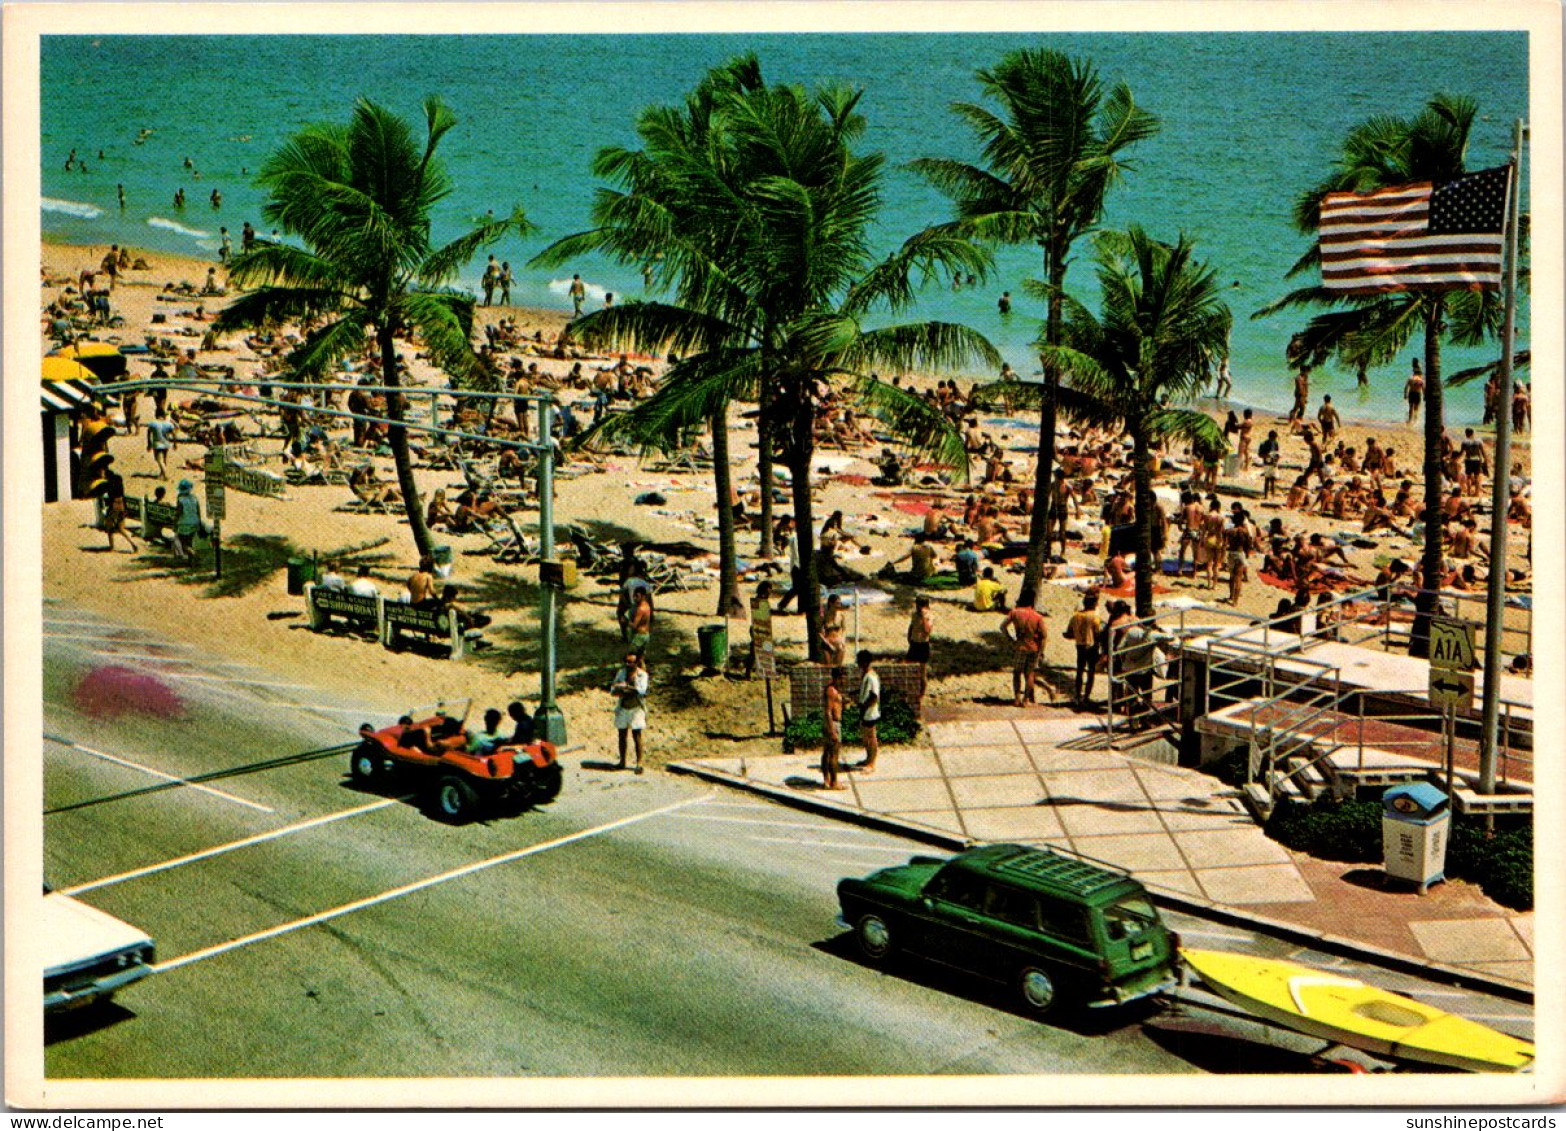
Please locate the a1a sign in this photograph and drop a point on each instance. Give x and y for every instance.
(1452, 645)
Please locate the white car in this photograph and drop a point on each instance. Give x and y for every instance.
(89, 954)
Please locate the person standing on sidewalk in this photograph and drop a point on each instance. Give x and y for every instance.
(832, 729)
(869, 708)
(630, 705)
(1024, 627)
(1084, 629)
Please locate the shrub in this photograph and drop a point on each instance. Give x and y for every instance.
(1350, 831)
(899, 724)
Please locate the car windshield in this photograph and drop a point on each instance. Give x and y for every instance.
(1129, 917)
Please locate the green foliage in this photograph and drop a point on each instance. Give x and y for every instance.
(1501, 864)
(899, 724)
(1329, 830)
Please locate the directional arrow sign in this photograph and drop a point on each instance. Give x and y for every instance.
(1451, 690)
(1452, 645)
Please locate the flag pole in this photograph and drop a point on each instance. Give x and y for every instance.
(1500, 495)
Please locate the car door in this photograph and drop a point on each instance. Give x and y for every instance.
(954, 928)
(1013, 920)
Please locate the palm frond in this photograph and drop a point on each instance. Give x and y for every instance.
(442, 264)
(277, 305)
(324, 347)
(924, 347)
(915, 422)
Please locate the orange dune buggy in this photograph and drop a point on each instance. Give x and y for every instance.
(457, 783)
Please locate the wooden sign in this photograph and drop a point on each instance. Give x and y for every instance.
(253, 481)
(216, 469)
(766, 659)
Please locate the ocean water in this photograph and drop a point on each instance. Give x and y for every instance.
(1249, 121)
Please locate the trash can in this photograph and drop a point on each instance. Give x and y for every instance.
(713, 641)
(1415, 820)
(300, 570)
(442, 555)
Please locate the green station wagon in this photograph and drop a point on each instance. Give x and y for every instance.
(1056, 927)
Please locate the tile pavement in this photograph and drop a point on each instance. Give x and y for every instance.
(1048, 780)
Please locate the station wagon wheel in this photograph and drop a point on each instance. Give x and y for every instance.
(1038, 989)
(875, 937)
(367, 766)
(454, 798)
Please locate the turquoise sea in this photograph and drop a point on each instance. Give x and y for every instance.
(1249, 121)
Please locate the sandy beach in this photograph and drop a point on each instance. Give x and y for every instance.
(251, 617)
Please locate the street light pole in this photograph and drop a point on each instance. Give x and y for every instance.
(1500, 494)
(550, 720)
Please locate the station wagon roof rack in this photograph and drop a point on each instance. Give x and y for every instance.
(1056, 868)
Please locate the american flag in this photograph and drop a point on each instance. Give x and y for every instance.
(1421, 236)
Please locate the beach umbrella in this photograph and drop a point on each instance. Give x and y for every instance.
(102, 358)
(56, 368)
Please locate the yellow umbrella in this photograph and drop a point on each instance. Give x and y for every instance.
(103, 358)
(56, 368)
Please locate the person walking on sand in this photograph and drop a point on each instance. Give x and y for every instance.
(1084, 630)
(114, 506)
(490, 279)
(505, 280)
(832, 730)
(869, 708)
(1247, 426)
(187, 521)
(630, 705)
(1238, 541)
(160, 439)
(578, 293)
(641, 621)
(1328, 417)
(1024, 627)
(1301, 397)
(920, 627)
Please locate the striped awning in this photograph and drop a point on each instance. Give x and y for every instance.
(64, 396)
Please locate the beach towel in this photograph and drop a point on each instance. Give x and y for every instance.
(853, 479)
(1320, 585)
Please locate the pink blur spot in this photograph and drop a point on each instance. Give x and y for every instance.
(113, 690)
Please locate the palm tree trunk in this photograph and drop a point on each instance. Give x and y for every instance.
(1142, 474)
(801, 451)
(728, 570)
(1435, 429)
(764, 433)
(1038, 521)
(397, 436)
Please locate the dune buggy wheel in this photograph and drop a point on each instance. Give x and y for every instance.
(544, 784)
(1037, 989)
(874, 937)
(455, 799)
(367, 765)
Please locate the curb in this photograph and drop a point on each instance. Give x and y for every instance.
(1278, 928)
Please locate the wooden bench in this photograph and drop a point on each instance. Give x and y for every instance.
(361, 614)
(434, 624)
(157, 517)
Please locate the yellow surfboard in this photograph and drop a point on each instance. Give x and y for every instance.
(1361, 1016)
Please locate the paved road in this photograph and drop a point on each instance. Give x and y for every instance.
(638, 926)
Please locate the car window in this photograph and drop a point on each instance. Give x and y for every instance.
(1010, 905)
(1064, 921)
(956, 886)
(1129, 917)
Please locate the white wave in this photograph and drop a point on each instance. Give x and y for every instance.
(72, 208)
(595, 293)
(170, 225)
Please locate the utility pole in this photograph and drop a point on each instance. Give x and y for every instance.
(1500, 494)
(550, 720)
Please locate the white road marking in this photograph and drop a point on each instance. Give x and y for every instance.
(219, 850)
(159, 774)
(98, 639)
(861, 846)
(418, 885)
(53, 622)
(144, 656)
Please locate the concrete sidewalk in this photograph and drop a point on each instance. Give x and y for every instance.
(1045, 776)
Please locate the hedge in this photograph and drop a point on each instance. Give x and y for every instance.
(898, 724)
(1502, 864)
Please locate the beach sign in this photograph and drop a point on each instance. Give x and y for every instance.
(1452, 645)
(216, 499)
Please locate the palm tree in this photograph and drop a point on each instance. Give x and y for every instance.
(1160, 327)
(1372, 330)
(359, 198)
(1050, 156)
(764, 228)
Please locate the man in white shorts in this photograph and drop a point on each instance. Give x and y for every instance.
(630, 710)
